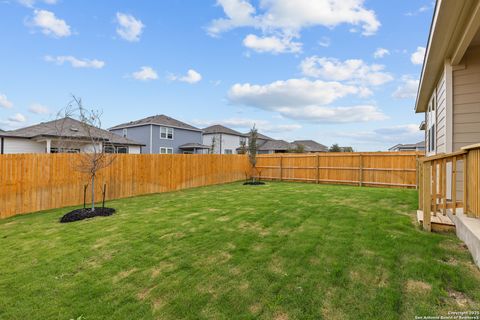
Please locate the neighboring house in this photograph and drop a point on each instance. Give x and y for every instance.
(223, 140)
(419, 146)
(162, 134)
(311, 146)
(63, 135)
(275, 146)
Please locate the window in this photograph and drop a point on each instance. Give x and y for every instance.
(124, 132)
(64, 150)
(166, 133)
(122, 150)
(114, 149)
(228, 151)
(166, 150)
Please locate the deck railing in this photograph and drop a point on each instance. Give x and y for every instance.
(450, 182)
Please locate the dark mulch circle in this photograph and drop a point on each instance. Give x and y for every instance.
(256, 183)
(81, 214)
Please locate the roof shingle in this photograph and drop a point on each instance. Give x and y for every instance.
(161, 120)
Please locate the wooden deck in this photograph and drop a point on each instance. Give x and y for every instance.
(440, 223)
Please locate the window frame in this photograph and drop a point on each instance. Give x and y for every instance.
(228, 151)
(167, 149)
(168, 131)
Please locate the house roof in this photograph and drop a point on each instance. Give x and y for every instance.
(222, 129)
(66, 128)
(193, 146)
(454, 25)
(420, 144)
(311, 145)
(276, 145)
(260, 136)
(161, 120)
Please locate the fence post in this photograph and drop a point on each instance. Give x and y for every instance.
(427, 199)
(360, 168)
(281, 168)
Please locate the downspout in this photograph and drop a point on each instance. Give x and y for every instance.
(221, 152)
(151, 138)
(2, 146)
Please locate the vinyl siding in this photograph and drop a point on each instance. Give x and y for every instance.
(466, 107)
(441, 116)
(18, 145)
(466, 100)
(226, 141)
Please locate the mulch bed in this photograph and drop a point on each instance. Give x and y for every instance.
(256, 183)
(80, 214)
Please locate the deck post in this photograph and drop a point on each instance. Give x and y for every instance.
(444, 187)
(427, 204)
(454, 185)
(465, 184)
(434, 186)
(420, 183)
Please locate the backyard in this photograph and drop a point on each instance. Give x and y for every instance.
(278, 251)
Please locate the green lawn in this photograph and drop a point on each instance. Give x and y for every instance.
(279, 251)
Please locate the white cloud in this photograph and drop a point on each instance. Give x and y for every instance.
(245, 124)
(407, 89)
(191, 77)
(49, 24)
(303, 99)
(408, 133)
(422, 9)
(352, 70)
(418, 56)
(37, 108)
(76, 63)
(31, 3)
(145, 74)
(4, 102)
(290, 17)
(324, 42)
(129, 27)
(324, 114)
(292, 92)
(380, 53)
(17, 117)
(271, 44)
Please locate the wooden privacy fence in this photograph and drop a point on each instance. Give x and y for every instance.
(33, 182)
(378, 169)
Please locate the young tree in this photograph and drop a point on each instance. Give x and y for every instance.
(299, 148)
(335, 148)
(252, 149)
(213, 145)
(243, 147)
(97, 142)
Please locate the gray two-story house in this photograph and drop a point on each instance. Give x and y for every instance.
(162, 134)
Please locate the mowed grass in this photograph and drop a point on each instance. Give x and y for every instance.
(279, 251)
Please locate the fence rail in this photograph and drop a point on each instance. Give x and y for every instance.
(385, 169)
(33, 182)
(450, 181)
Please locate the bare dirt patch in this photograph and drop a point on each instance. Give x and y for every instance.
(460, 298)
(255, 308)
(416, 286)
(281, 316)
(123, 274)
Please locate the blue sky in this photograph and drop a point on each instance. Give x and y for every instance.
(334, 71)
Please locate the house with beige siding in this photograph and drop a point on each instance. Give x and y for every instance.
(449, 97)
(449, 90)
